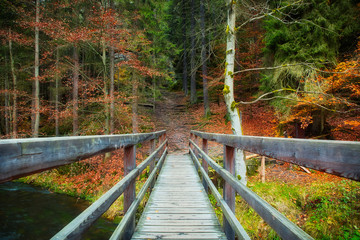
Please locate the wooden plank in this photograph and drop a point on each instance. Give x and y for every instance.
(180, 216)
(129, 193)
(335, 157)
(283, 226)
(171, 229)
(204, 163)
(178, 222)
(181, 210)
(178, 207)
(121, 231)
(229, 192)
(21, 157)
(228, 213)
(180, 235)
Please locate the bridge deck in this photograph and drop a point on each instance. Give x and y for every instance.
(178, 207)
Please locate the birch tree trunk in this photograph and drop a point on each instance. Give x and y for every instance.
(76, 91)
(203, 60)
(36, 91)
(13, 74)
(233, 111)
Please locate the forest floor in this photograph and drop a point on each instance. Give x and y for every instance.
(311, 200)
(174, 114)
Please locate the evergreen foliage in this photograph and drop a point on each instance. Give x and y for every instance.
(304, 37)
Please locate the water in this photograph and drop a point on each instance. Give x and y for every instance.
(28, 212)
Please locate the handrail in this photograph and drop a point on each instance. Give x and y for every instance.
(335, 157)
(230, 216)
(284, 227)
(21, 157)
(126, 221)
(83, 221)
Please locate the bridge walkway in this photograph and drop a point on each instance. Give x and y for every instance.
(178, 207)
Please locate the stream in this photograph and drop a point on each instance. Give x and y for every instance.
(29, 212)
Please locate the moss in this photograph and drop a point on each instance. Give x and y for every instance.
(226, 90)
(233, 105)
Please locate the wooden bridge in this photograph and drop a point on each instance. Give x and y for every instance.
(178, 207)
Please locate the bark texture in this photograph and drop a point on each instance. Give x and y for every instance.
(233, 112)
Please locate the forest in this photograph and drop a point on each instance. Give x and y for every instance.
(76, 68)
(263, 68)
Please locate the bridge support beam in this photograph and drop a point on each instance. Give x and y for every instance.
(229, 192)
(129, 193)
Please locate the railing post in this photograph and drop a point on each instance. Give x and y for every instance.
(152, 164)
(195, 141)
(129, 193)
(204, 163)
(229, 192)
(191, 137)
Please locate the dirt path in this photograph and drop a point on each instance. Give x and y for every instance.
(171, 113)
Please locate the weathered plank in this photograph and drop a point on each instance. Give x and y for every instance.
(229, 192)
(21, 157)
(129, 193)
(122, 230)
(174, 229)
(227, 211)
(179, 235)
(281, 225)
(178, 207)
(340, 158)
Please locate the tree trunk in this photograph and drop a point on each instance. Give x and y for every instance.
(203, 60)
(106, 91)
(112, 74)
(76, 73)
(14, 108)
(106, 96)
(233, 111)
(57, 79)
(37, 84)
(134, 104)
(192, 60)
(7, 103)
(185, 74)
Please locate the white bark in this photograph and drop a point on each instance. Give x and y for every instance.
(233, 111)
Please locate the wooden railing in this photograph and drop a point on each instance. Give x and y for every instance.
(21, 157)
(336, 157)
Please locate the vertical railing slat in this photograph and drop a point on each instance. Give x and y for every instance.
(152, 165)
(229, 192)
(205, 164)
(129, 193)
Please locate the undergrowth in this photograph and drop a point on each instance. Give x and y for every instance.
(89, 180)
(325, 210)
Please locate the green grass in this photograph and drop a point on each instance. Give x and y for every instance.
(325, 210)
